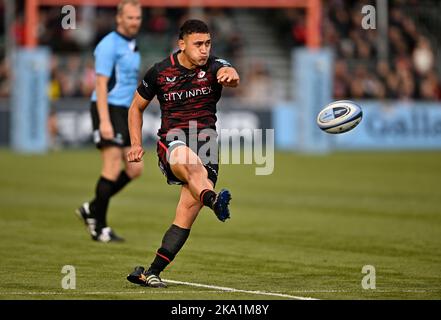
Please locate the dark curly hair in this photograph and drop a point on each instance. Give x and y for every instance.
(192, 26)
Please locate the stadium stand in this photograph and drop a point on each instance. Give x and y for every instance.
(360, 73)
(262, 51)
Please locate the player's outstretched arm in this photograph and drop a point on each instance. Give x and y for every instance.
(139, 104)
(228, 77)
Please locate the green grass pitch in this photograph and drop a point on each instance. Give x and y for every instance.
(306, 230)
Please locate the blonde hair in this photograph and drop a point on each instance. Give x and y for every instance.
(122, 3)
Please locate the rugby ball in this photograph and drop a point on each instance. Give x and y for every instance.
(339, 116)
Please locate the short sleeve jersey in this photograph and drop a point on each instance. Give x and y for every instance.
(184, 95)
(118, 58)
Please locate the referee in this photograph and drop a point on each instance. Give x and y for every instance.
(117, 63)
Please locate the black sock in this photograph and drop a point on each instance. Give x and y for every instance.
(121, 182)
(172, 242)
(207, 197)
(103, 192)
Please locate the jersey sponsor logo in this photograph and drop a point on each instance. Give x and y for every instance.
(187, 75)
(185, 94)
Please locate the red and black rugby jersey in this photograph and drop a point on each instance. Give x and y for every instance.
(184, 95)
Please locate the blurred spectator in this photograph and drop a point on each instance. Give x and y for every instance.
(70, 77)
(392, 82)
(88, 78)
(54, 83)
(257, 92)
(158, 21)
(5, 85)
(430, 87)
(383, 70)
(423, 58)
(357, 90)
(298, 30)
(18, 30)
(341, 80)
(227, 36)
(54, 93)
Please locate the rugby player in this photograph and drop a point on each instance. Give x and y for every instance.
(188, 84)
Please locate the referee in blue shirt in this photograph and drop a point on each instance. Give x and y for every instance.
(117, 63)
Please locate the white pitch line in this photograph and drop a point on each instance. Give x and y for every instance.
(74, 292)
(264, 293)
(215, 289)
(224, 290)
(367, 291)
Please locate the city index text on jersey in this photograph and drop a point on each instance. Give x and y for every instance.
(185, 94)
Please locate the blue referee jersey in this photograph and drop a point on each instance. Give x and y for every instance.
(118, 58)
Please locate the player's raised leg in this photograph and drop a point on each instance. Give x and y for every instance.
(188, 167)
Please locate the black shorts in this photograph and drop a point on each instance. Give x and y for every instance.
(208, 156)
(119, 119)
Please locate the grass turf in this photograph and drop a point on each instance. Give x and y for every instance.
(306, 230)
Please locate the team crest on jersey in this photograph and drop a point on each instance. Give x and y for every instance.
(171, 79)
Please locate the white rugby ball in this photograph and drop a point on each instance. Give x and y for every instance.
(339, 116)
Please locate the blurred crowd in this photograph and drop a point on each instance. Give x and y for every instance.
(72, 65)
(361, 72)
(408, 72)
